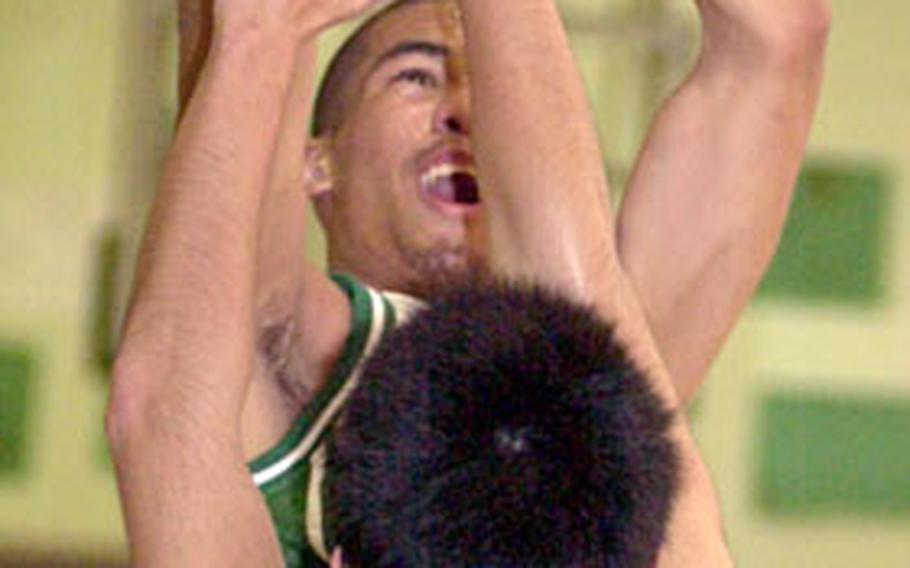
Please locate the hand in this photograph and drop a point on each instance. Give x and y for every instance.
(301, 19)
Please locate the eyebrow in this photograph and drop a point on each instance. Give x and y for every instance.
(407, 48)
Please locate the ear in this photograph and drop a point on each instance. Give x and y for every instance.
(318, 177)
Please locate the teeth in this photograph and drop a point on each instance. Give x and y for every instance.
(445, 170)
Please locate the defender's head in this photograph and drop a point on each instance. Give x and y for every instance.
(391, 166)
(503, 426)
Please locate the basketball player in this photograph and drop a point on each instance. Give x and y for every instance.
(229, 335)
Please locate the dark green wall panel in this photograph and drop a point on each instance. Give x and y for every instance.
(16, 370)
(834, 245)
(820, 455)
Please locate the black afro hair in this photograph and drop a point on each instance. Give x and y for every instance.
(502, 426)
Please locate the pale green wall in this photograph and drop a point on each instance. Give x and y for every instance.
(84, 116)
(57, 64)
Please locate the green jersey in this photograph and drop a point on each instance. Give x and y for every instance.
(292, 475)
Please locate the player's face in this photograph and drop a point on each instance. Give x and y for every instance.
(405, 209)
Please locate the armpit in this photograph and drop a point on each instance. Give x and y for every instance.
(278, 346)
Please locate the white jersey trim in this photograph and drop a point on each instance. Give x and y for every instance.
(314, 532)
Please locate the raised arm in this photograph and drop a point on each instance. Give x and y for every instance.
(537, 151)
(182, 374)
(290, 293)
(539, 160)
(707, 201)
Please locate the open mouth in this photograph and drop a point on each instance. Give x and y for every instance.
(454, 184)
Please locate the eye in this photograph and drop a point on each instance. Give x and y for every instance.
(420, 77)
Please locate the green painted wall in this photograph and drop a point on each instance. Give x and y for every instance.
(58, 150)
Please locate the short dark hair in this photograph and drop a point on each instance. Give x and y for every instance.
(334, 90)
(503, 426)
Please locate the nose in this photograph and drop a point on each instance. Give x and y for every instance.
(453, 112)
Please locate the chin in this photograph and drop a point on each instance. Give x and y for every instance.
(439, 269)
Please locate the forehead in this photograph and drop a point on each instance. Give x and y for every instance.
(432, 21)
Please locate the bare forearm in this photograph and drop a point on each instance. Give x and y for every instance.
(536, 146)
